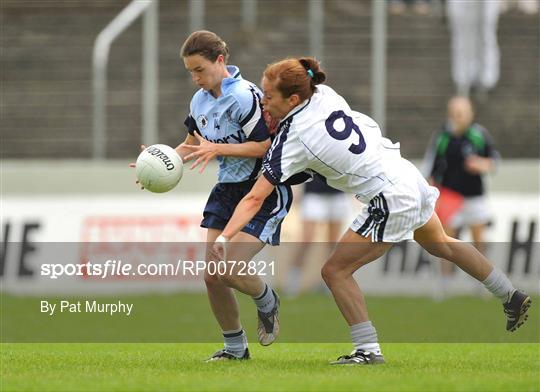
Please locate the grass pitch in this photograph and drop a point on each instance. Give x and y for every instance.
(187, 318)
(455, 345)
(282, 366)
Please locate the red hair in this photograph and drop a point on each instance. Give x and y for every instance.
(296, 76)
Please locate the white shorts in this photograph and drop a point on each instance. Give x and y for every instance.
(395, 213)
(474, 211)
(324, 207)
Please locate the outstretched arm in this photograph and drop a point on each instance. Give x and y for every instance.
(248, 207)
(205, 151)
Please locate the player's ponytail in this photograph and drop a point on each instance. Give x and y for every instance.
(313, 70)
(296, 76)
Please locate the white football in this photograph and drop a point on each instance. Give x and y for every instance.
(159, 168)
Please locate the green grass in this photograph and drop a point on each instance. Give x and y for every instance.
(282, 366)
(186, 318)
(456, 345)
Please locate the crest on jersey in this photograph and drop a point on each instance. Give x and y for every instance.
(202, 120)
(216, 122)
(228, 116)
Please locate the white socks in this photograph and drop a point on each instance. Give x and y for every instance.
(364, 337)
(499, 285)
(235, 342)
(265, 301)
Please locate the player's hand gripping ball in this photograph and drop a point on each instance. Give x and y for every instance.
(159, 168)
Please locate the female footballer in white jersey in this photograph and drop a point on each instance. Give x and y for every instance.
(320, 132)
(226, 123)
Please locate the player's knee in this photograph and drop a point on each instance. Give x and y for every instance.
(325, 274)
(439, 245)
(211, 280)
(439, 249)
(230, 280)
(330, 273)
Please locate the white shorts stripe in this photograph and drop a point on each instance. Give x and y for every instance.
(405, 206)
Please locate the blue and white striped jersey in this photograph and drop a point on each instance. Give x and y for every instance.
(234, 117)
(346, 147)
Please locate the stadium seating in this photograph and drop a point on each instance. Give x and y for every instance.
(46, 72)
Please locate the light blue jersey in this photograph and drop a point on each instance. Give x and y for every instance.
(235, 117)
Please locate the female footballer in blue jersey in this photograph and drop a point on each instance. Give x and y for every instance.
(318, 131)
(226, 123)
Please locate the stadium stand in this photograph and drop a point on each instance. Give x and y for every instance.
(46, 72)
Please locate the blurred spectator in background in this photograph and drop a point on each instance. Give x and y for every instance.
(475, 51)
(528, 7)
(323, 208)
(398, 7)
(458, 156)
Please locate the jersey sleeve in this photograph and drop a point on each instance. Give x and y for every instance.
(191, 125)
(190, 121)
(284, 160)
(249, 114)
(300, 178)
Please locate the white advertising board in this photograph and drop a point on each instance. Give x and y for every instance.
(60, 229)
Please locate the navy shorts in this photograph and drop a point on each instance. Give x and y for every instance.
(266, 225)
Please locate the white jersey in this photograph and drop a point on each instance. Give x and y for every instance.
(346, 147)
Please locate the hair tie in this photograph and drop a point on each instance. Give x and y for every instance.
(310, 73)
